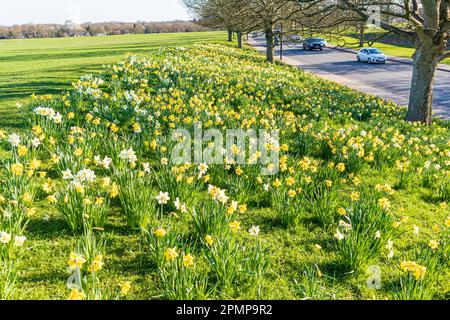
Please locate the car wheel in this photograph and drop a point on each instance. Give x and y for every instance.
(358, 59)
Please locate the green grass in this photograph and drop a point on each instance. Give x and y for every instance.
(389, 49)
(47, 66)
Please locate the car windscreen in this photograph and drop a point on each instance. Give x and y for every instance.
(315, 40)
(374, 51)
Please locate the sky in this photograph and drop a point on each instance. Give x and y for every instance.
(58, 11)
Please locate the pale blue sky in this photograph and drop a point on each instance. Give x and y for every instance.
(58, 11)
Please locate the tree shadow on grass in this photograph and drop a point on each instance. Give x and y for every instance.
(53, 228)
(11, 121)
(53, 82)
(101, 52)
(55, 277)
(335, 270)
(431, 198)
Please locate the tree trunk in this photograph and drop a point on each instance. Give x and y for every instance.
(239, 39)
(230, 35)
(270, 44)
(421, 96)
(361, 29)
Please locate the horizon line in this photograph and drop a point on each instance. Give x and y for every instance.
(112, 21)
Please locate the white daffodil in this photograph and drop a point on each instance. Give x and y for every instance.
(254, 231)
(163, 197)
(19, 240)
(338, 235)
(67, 174)
(14, 139)
(36, 142)
(5, 237)
(85, 175)
(202, 168)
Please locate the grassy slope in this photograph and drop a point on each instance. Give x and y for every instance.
(47, 66)
(44, 276)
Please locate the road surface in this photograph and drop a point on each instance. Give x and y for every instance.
(390, 81)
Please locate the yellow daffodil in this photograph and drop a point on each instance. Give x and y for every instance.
(235, 226)
(97, 264)
(171, 254)
(76, 261)
(125, 288)
(433, 244)
(17, 169)
(188, 260)
(160, 232)
(209, 240)
(76, 294)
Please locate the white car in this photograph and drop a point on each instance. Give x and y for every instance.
(371, 55)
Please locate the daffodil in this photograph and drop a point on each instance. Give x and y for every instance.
(235, 226)
(5, 237)
(76, 294)
(114, 192)
(338, 235)
(171, 254)
(384, 203)
(17, 169)
(22, 150)
(447, 222)
(125, 288)
(160, 232)
(209, 240)
(354, 196)
(254, 231)
(188, 260)
(433, 244)
(76, 261)
(97, 264)
(163, 198)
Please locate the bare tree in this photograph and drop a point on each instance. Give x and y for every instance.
(266, 14)
(244, 16)
(214, 13)
(425, 23)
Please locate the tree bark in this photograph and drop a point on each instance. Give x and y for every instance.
(420, 106)
(270, 48)
(361, 29)
(239, 39)
(230, 35)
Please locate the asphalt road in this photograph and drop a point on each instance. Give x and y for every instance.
(390, 81)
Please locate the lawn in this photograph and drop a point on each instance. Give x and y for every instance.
(47, 66)
(358, 209)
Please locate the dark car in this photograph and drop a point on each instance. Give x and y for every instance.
(314, 43)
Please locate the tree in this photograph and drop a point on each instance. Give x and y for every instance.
(214, 13)
(425, 23)
(266, 14)
(244, 16)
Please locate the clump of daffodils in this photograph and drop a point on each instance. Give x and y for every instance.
(413, 268)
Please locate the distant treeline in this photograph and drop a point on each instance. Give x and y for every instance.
(70, 29)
